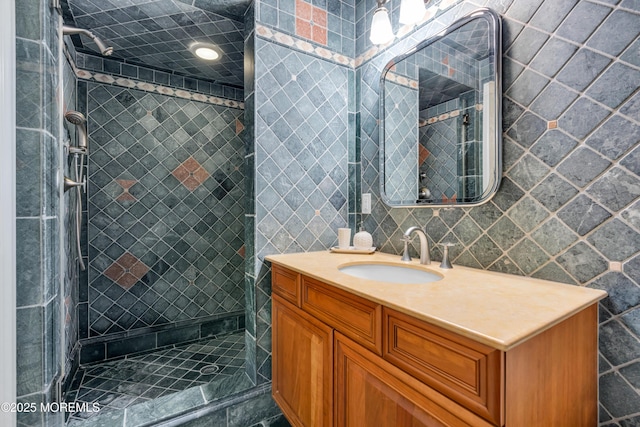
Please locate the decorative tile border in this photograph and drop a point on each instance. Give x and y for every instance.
(149, 87)
(303, 45)
(164, 90)
(445, 116)
(401, 80)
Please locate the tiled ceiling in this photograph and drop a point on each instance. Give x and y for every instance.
(157, 33)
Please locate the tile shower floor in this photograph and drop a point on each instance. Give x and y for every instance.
(118, 384)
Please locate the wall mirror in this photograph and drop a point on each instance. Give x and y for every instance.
(441, 125)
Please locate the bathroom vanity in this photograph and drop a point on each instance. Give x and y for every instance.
(475, 348)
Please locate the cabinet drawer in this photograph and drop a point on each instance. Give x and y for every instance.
(356, 317)
(464, 370)
(285, 283)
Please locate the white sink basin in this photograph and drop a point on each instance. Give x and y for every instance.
(389, 273)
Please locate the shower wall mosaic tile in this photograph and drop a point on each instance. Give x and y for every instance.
(166, 233)
(568, 206)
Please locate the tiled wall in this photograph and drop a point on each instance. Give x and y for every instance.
(302, 121)
(37, 207)
(165, 211)
(301, 184)
(568, 206)
(327, 24)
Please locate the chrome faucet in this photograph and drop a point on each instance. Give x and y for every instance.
(424, 245)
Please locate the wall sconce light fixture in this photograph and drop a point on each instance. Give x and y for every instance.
(411, 12)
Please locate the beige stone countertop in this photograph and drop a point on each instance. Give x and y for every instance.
(496, 309)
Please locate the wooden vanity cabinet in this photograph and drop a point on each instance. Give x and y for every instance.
(339, 359)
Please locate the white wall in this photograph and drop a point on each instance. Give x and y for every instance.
(7, 212)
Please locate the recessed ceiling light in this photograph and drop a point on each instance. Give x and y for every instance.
(206, 51)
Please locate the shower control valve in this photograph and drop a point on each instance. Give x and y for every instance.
(69, 184)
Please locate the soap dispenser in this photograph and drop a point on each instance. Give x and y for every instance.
(362, 239)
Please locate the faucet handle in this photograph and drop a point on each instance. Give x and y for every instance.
(445, 255)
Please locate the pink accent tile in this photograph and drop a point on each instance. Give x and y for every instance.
(445, 60)
(191, 164)
(423, 153)
(191, 183)
(125, 196)
(239, 127)
(190, 174)
(126, 271)
(303, 28)
(200, 175)
(181, 173)
(451, 71)
(126, 183)
(319, 35)
(114, 272)
(242, 251)
(319, 17)
(303, 10)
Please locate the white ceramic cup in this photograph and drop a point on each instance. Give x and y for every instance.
(344, 238)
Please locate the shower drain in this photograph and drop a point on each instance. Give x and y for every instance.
(209, 369)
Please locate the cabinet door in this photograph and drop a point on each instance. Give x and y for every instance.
(302, 366)
(372, 392)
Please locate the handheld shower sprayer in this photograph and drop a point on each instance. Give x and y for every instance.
(104, 49)
(79, 153)
(78, 119)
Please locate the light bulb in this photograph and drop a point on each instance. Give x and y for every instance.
(206, 51)
(411, 11)
(381, 32)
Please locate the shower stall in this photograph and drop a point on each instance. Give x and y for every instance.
(154, 287)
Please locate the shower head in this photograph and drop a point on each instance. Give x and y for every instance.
(75, 117)
(104, 49)
(78, 119)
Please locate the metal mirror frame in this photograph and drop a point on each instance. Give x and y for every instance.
(495, 43)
